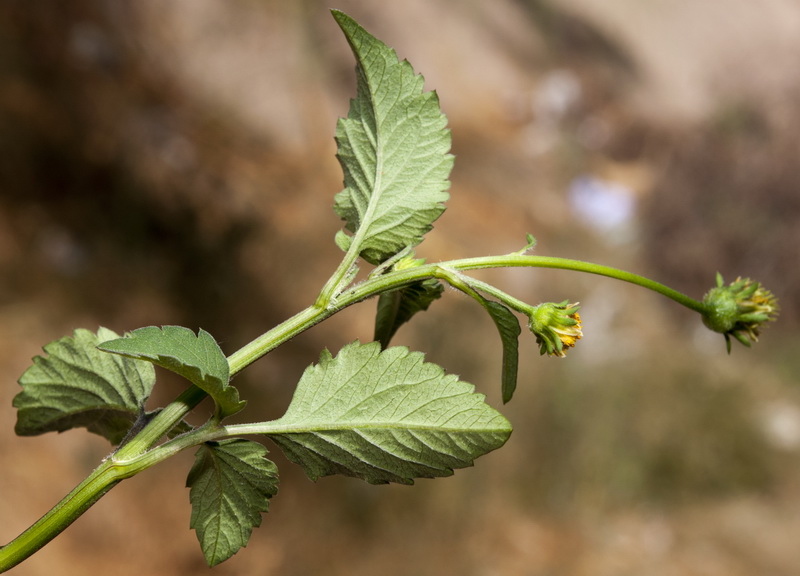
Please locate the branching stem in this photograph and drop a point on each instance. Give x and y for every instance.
(141, 452)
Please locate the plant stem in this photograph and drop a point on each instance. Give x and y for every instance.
(112, 471)
(59, 517)
(335, 282)
(139, 454)
(519, 260)
(162, 423)
(271, 339)
(443, 270)
(514, 303)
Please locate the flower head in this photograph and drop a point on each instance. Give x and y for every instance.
(739, 309)
(557, 327)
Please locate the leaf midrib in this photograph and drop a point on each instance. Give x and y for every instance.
(376, 192)
(286, 429)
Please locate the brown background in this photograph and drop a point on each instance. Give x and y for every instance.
(172, 163)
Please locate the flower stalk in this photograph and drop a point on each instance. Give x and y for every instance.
(738, 310)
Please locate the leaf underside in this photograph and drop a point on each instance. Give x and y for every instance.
(385, 416)
(230, 484)
(77, 385)
(198, 358)
(508, 327)
(394, 151)
(397, 307)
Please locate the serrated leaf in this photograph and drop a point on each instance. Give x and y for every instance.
(77, 385)
(394, 151)
(397, 307)
(230, 484)
(508, 327)
(385, 416)
(198, 358)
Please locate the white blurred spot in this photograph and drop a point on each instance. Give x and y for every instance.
(558, 93)
(781, 422)
(602, 204)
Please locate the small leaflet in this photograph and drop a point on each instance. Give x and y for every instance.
(198, 358)
(231, 483)
(508, 327)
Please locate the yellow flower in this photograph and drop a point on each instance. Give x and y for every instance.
(557, 327)
(739, 309)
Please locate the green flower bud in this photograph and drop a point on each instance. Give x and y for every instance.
(739, 309)
(557, 327)
(408, 262)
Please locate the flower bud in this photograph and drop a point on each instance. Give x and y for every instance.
(408, 262)
(739, 309)
(557, 327)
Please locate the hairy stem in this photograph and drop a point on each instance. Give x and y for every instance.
(112, 471)
(59, 517)
(162, 423)
(139, 453)
(271, 339)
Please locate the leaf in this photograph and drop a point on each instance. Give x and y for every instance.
(394, 151)
(508, 327)
(397, 307)
(230, 484)
(198, 358)
(76, 385)
(385, 416)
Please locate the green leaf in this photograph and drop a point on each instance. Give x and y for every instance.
(385, 416)
(395, 308)
(198, 358)
(394, 151)
(508, 327)
(76, 385)
(230, 484)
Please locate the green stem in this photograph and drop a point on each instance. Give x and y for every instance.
(400, 278)
(504, 297)
(470, 287)
(518, 260)
(112, 471)
(59, 517)
(139, 454)
(271, 339)
(335, 283)
(444, 271)
(162, 423)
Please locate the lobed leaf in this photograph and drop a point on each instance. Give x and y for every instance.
(77, 385)
(394, 150)
(198, 358)
(385, 416)
(230, 484)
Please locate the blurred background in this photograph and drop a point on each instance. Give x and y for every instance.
(173, 163)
